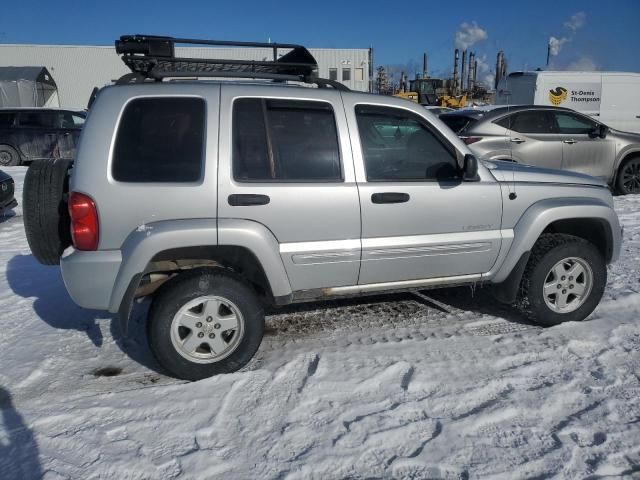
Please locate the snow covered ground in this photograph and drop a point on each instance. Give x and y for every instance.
(437, 384)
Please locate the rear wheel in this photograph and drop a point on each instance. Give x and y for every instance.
(9, 156)
(628, 180)
(564, 280)
(203, 323)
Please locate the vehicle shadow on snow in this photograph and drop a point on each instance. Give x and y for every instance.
(478, 300)
(317, 316)
(28, 279)
(18, 448)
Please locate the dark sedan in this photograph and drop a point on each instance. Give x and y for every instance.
(7, 200)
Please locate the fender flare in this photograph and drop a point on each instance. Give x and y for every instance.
(147, 241)
(542, 214)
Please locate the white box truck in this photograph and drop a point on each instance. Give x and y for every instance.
(612, 97)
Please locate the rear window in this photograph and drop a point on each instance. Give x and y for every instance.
(160, 140)
(457, 123)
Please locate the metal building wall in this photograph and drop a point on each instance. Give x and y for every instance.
(78, 69)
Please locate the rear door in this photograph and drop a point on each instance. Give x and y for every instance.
(582, 151)
(531, 138)
(37, 133)
(291, 149)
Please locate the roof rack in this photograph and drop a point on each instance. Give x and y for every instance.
(153, 57)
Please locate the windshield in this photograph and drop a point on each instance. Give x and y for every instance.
(457, 123)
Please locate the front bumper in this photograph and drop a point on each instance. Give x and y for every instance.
(90, 276)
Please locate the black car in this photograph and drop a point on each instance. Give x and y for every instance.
(7, 199)
(28, 134)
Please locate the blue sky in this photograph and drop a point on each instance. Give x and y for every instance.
(603, 35)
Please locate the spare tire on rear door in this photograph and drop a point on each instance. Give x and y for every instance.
(44, 208)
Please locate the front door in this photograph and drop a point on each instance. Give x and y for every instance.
(285, 162)
(37, 134)
(69, 133)
(419, 220)
(582, 150)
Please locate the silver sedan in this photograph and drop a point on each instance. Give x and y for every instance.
(551, 137)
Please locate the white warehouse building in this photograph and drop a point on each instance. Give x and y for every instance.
(78, 69)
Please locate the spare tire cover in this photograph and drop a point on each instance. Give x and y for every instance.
(44, 208)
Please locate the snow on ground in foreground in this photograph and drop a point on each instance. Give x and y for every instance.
(438, 384)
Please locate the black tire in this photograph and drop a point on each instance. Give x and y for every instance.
(9, 156)
(628, 178)
(44, 207)
(187, 287)
(547, 252)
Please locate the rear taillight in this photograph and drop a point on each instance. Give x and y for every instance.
(470, 140)
(84, 221)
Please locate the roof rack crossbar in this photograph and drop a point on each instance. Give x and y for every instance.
(153, 57)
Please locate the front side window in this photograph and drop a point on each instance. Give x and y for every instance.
(397, 145)
(571, 124)
(285, 140)
(160, 139)
(70, 120)
(534, 121)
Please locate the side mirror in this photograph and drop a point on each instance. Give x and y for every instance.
(470, 169)
(602, 131)
(599, 131)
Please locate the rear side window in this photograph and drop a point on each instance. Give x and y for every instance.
(160, 140)
(285, 140)
(38, 119)
(534, 121)
(457, 123)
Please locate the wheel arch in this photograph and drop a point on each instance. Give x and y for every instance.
(588, 218)
(245, 247)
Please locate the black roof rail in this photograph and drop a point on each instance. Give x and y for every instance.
(153, 57)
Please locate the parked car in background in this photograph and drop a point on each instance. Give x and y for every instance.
(7, 200)
(610, 96)
(552, 137)
(436, 110)
(28, 134)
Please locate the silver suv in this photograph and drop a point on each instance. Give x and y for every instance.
(218, 198)
(552, 137)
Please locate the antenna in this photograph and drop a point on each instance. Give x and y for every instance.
(512, 193)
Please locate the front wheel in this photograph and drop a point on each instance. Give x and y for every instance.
(564, 280)
(203, 323)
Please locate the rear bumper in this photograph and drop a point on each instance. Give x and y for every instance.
(89, 276)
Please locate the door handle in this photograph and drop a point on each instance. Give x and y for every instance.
(390, 197)
(571, 141)
(518, 140)
(247, 199)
